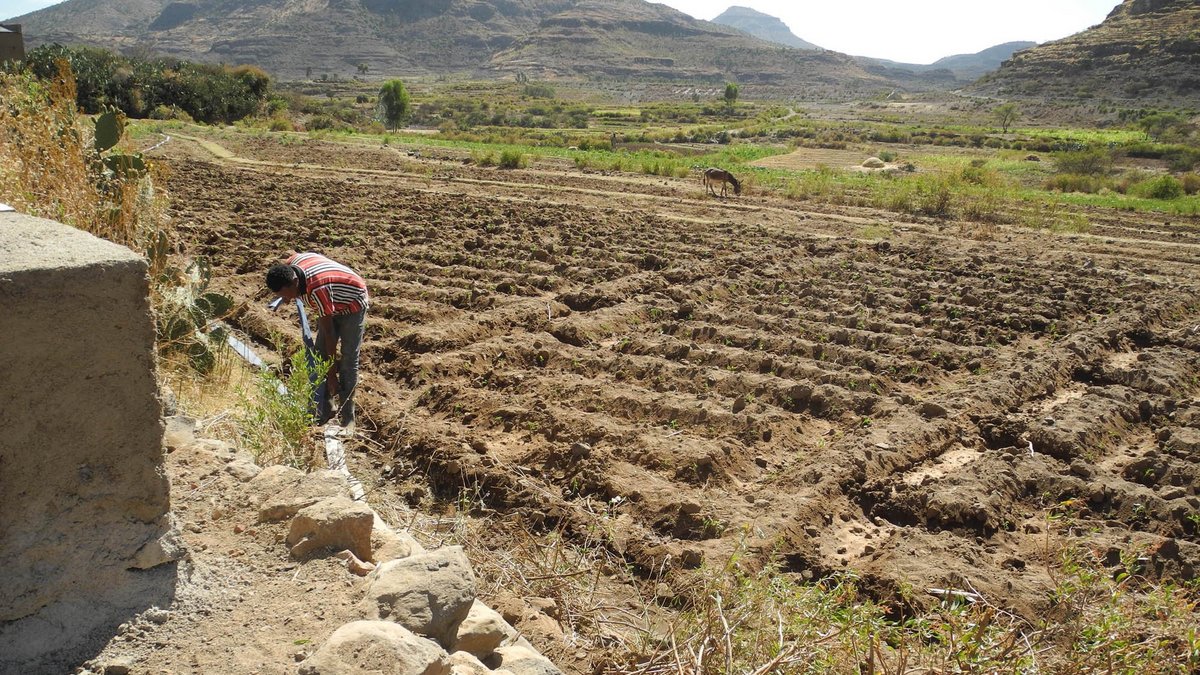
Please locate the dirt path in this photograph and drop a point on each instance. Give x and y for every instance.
(744, 371)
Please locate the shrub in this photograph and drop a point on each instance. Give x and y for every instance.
(538, 91)
(1161, 187)
(170, 112)
(976, 174)
(512, 159)
(276, 423)
(1182, 159)
(1190, 183)
(886, 155)
(1071, 182)
(484, 158)
(1089, 162)
(322, 122)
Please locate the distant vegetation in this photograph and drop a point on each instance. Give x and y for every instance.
(163, 88)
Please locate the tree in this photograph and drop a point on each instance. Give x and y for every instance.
(363, 68)
(731, 94)
(394, 103)
(1160, 124)
(1006, 115)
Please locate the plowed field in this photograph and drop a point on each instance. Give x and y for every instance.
(713, 371)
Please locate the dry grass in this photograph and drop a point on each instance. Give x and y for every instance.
(49, 166)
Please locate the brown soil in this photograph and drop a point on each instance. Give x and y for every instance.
(242, 605)
(745, 369)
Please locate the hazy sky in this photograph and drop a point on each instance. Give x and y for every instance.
(910, 31)
(917, 31)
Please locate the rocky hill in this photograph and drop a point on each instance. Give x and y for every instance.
(627, 39)
(1145, 50)
(960, 67)
(763, 26)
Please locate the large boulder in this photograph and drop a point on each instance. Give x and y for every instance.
(361, 647)
(283, 492)
(337, 522)
(429, 593)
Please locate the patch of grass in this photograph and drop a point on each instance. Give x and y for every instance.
(277, 424)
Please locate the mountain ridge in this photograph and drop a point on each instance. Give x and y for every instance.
(763, 26)
(624, 39)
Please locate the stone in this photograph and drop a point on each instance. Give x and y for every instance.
(429, 593)
(388, 544)
(873, 163)
(338, 522)
(180, 431)
(356, 566)
(930, 410)
(463, 663)
(165, 549)
(521, 660)
(284, 495)
(376, 647)
(482, 631)
(242, 469)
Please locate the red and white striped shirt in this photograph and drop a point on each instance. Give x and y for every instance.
(329, 288)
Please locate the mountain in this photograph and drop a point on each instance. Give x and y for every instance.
(944, 71)
(762, 26)
(1145, 50)
(608, 39)
(971, 66)
(965, 67)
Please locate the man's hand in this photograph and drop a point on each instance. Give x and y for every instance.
(331, 382)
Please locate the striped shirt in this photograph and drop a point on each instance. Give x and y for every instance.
(329, 288)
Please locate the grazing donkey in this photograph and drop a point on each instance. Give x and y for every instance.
(714, 176)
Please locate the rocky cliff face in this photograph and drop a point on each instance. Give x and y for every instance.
(1146, 50)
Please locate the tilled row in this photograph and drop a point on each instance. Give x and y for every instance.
(846, 403)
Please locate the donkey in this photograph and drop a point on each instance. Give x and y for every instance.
(714, 176)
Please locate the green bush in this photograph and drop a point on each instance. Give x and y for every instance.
(276, 423)
(1161, 187)
(1072, 182)
(1089, 162)
(512, 159)
(538, 91)
(484, 158)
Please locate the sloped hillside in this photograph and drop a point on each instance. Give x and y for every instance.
(1146, 50)
(635, 39)
(550, 38)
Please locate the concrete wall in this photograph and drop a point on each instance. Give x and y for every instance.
(83, 497)
(12, 43)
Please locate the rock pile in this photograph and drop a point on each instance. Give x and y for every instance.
(419, 611)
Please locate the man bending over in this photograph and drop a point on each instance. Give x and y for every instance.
(338, 297)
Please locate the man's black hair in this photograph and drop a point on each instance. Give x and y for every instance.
(279, 276)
